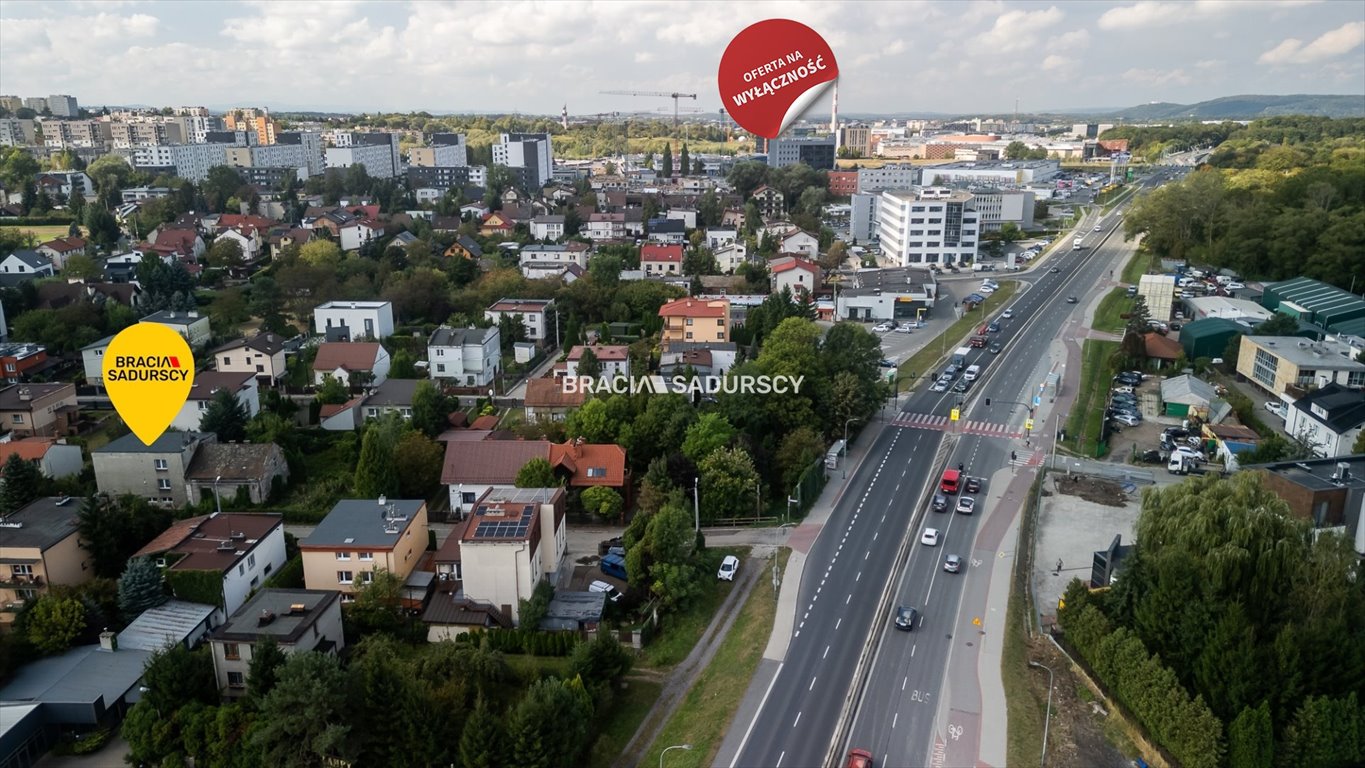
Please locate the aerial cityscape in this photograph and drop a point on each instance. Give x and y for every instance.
(1007, 409)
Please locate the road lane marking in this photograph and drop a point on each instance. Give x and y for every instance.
(749, 731)
(859, 577)
(826, 653)
(912, 651)
(837, 623)
(797, 720)
(777, 765)
(812, 684)
(847, 599)
(894, 719)
(905, 682)
(866, 554)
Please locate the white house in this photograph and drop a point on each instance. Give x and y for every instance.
(54, 457)
(658, 259)
(534, 315)
(92, 359)
(614, 359)
(730, 256)
(354, 320)
(514, 538)
(547, 227)
(351, 362)
(296, 620)
(686, 215)
(245, 239)
(464, 357)
(192, 326)
(24, 265)
(1330, 418)
(245, 548)
(797, 275)
(606, 226)
(799, 242)
(718, 237)
(206, 385)
(562, 254)
(261, 355)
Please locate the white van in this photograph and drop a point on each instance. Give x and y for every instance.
(971, 373)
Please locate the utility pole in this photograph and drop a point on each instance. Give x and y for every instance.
(696, 501)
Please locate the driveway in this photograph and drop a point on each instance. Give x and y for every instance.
(109, 757)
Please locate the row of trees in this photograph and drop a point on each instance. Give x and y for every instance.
(1231, 604)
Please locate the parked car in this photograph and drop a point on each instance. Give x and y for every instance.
(929, 538)
(1122, 390)
(612, 593)
(903, 329)
(952, 563)
(1128, 419)
(1185, 450)
(966, 505)
(887, 363)
(905, 619)
(881, 328)
(728, 567)
(1277, 408)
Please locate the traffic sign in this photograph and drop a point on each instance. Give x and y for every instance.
(954, 415)
(976, 620)
(1028, 424)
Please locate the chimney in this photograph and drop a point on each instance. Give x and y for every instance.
(108, 641)
(265, 618)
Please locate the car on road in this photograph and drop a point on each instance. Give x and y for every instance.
(1128, 419)
(929, 538)
(881, 328)
(886, 363)
(994, 327)
(962, 386)
(966, 505)
(940, 503)
(973, 485)
(1007, 314)
(1054, 271)
(952, 563)
(903, 329)
(940, 386)
(1276, 408)
(950, 372)
(1071, 300)
(612, 593)
(728, 567)
(1099, 227)
(995, 349)
(905, 619)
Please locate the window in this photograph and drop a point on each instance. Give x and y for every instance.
(236, 680)
(343, 555)
(251, 560)
(366, 556)
(163, 483)
(162, 465)
(689, 321)
(26, 594)
(241, 569)
(227, 360)
(344, 577)
(367, 577)
(260, 368)
(268, 568)
(21, 570)
(440, 367)
(18, 418)
(232, 651)
(255, 581)
(597, 471)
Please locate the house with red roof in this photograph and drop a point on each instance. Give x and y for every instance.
(183, 244)
(657, 259)
(63, 248)
(496, 223)
(473, 468)
(794, 274)
(351, 362)
(54, 457)
(696, 320)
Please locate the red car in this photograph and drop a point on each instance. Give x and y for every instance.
(859, 758)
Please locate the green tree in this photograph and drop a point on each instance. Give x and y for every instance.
(263, 671)
(83, 267)
(531, 611)
(101, 227)
(113, 529)
(1016, 150)
(684, 160)
(536, 473)
(17, 167)
(333, 391)
(141, 587)
(176, 676)
(666, 167)
(604, 502)
(709, 433)
(374, 475)
(594, 422)
(23, 483)
(54, 623)
(417, 462)
(549, 727)
(797, 451)
(1326, 732)
(601, 661)
(225, 253)
(1251, 739)
(301, 720)
(323, 254)
(1359, 446)
(588, 364)
(700, 261)
(483, 743)
(430, 410)
(225, 416)
(221, 183)
(1279, 324)
(729, 484)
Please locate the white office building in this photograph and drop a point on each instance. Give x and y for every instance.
(993, 173)
(191, 161)
(873, 180)
(862, 221)
(928, 225)
(531, 151)
(998, 206)
(378, 152)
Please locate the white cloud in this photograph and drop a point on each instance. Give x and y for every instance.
(1155, 13)
(1074, 40)
(1054, 62)
(1016, 31)
(1337, 42)
(1158, 77)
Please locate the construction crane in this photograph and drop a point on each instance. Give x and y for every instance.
(672, 95)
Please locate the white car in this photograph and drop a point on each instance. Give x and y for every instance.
(1122, 390)
(940, 386)
(1277, 408)
(728, 567)
(1190, 452)
(1127, 419)
(985, 290)
(1007, 314)
(612, 593)
(903, 329)
(1234, 286)
(881, 328)
(930, 537)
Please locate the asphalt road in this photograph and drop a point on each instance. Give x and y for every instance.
(838, 607)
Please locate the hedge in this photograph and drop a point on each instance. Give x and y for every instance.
(197, 586)
(35, 221)
(528, 641)
(289, 576)
(1185, 727)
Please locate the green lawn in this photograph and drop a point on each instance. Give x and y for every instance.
(927, 359)
(1141, 263)
(1087, 413)
(628, 708)
(48, 232)
(705, 713)
(1107, 314)
(1023, 711)
(680, 632)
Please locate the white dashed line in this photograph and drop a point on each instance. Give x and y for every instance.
(812, 685)
(826, 653)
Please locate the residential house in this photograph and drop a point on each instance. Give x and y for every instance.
(154, 472)
(92, 360)
(1329, 418)
(712, 359)
(1328, 492)
(296, 620)
(1276, 363)
(547, 227)
(586, 465)
(248, 239)
(393, 396)
(533, 313)
(514, 539)
(282, 237)
(192, 326)
(54, 457)
(658, 260)
(39, 409)
(497, 223)
(245, 548)
(547, 399)
(614, 360)
(696, 320)
(687, 216)
(732, 218)
(770, 202)
(719, 237)
(562, 254)
(21, 266)
(354, 363)
(464, 247)
(1164, 351)
(55, 295)
(63, 248)
(354, 320)
(22, 362)
(206, 386)
(800, 243)
(606, 226)
(66, 183)
(729, 257)
(450, 614)
(465, 357)
(223, 470)
(261, 355)
(667, 231)
(794, 274)
(183, 243)
(361, 536)
(473, 468)
(42, 547)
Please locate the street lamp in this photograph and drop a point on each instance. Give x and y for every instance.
(217, 500)
(1048, 718)
(675, 746)
(846, 423)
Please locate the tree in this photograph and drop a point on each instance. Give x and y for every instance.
(226, 417)
(700, 261)
(417, 462)
(430, 410)
(82, 267)
(709, 210)
(1139, 317)
(176, 676)
(100, 227)
(797, 451)
(684, 161)
(23, 483)
(301, 719)
(483, 742)
(263, 672)
(532, 610)
(549, 726)
(601, 660)
(225, 253)
(1279, 324)
(221, 183)
(604, 502)
(1359, 446)
(374, 475)
(17, 167)
(324, 254)
(1016, 150)
(588, 365)
(536, 473)
(378, 606)
(666, 168)
(141, 587)
(709, 433)
(113, 529)
(1251, 739)
(332, 391)
(835, 256)
(1010, 232)
(54, 623)
(728, 485)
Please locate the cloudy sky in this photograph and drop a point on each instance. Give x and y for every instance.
(948, 56)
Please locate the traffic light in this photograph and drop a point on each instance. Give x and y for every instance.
(1013, 456)
(988, 401)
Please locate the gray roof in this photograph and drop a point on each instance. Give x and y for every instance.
(43, 523)
(360, 523)
(555, 219)
(10, 400)
(170, 623)
(245, 625)
(1187, 390)
(80, 676)
(1343, 409)
(1318, 355)
(104, 342)
(169, 442)
(394, 393)
(169, 317)
(458, 337)
(33, 259)
(568, 610)
(265, 343)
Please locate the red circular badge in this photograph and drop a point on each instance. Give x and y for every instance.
(771, 72)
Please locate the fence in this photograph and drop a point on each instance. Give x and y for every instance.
(1120, 473)
(810, 485)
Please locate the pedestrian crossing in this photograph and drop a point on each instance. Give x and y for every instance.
(966, 426)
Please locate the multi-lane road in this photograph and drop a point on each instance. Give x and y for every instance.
(860, 554)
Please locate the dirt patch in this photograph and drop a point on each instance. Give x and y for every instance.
(1092, 489)
(1079, 736)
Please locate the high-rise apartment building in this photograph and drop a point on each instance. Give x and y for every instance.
(531, 151)
(252, 119)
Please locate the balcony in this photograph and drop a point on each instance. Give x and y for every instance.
(21, 580)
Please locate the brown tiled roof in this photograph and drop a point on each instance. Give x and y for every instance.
(200, 547)
(549, 393)
(456, 611)
(655, 252)
(603, 352)
(489, 422)
(578, 459)
(692, 308)
(231, 461)
(1162, 348)
(170, 537)
(29, 448)
(207, 383)
(489, 462)
(351, 355)
(65, 244)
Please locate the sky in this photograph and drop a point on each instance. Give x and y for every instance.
(946, 56)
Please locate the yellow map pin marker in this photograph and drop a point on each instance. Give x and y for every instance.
(148, 370)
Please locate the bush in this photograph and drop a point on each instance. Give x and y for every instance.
(290, 576)
(197, 586)
(519, 641)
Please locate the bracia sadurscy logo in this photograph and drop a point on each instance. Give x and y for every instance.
(146, 368)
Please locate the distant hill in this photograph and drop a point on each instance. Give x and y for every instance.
(1249, 107)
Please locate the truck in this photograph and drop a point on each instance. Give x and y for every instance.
(972, 372)
(977, 342)
(614, 565)
(960, 356)
(1184, 464)
(1078, 243)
